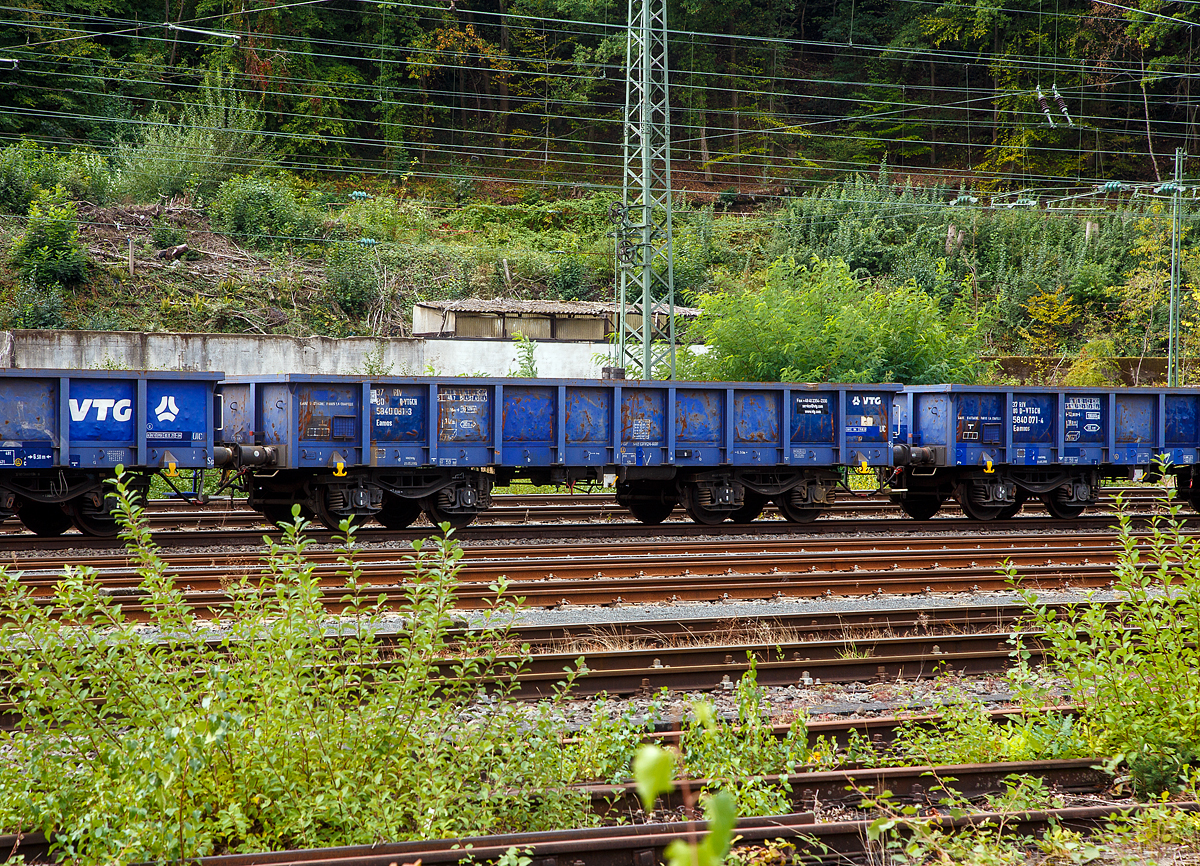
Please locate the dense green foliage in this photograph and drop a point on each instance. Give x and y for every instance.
(1133, 668)
(816, 323)
(924, 273)
(764, 92)
(286, 728)
(265, 733)
(48, 253)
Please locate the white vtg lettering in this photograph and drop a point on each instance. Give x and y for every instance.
(122, 410)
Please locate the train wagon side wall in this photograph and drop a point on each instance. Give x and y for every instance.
(969, 426)
(97, 420)
(455, 422)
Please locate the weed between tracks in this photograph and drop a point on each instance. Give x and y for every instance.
(275, 736)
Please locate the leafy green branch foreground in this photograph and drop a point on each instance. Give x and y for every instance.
(186, 737)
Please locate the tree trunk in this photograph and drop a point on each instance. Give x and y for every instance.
(502, 85)
(932, 125)
(995, 89)
(737, 130)
(1146, 108)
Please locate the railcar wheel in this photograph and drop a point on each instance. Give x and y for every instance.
(398, 513)
(1010, 511)
(649, 511)
(1059, 509)
(699, 513)
(438, 515)
(753, 504)
(794, 513)
(975, 510)
(46, 519)
(921, 507)
(325, 517)
(91, 520)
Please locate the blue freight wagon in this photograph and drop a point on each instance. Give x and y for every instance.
(63, 432)
(390, 448)
(994, 448)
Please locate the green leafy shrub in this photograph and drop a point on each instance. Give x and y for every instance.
(263, 212)
(48, 252)
(385, 219)
(209, 142)
(816, 323)
(351, 279)
(1131, 666)
(164, 235)
(35, 306)
(731, 754)
(571, 280)
(1095, 366)
(27, 167)
(272, 731)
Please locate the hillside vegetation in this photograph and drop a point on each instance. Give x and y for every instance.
(874, 278)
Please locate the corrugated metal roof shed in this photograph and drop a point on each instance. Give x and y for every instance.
(543, 308)
(538, 320)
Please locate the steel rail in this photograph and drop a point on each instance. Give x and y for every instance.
(476, 595)
(13, 543)
(210, 570)
(644, 844)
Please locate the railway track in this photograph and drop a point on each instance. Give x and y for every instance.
(548, 575)
(229, 522)
(813, 840)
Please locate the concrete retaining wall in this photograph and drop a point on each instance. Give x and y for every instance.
(249, 354)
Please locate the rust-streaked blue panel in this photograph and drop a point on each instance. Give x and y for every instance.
(329, 413)
(698, 415)
(1136, 418)
(589, 414)
(399, 413)
(30, 410)
(979, 420)
(756, 417)
(1033, 418)
(867, 417)
(1183, 420)
(643, 416)
(528, 414)
(813, 418)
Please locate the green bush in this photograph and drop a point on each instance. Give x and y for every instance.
(1095, 366)
(816, 323)
(385, 219)
(1131, 665)
(36, 306)
(263, 212)
(272, 731)
(209, 142)
(27, 167)
(571, 280)
(351, 279)
(48, 252)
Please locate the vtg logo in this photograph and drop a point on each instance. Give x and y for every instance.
(866, 401)
(122, 410)
(166, 410)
